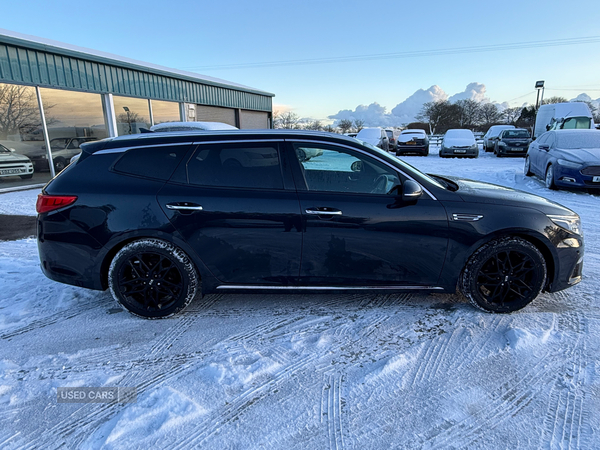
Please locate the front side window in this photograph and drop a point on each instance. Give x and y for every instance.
(333, 169)
(252, 166)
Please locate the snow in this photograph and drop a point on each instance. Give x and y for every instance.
(355, 370)
(19, 202)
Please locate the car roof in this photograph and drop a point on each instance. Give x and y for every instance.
(136, 140)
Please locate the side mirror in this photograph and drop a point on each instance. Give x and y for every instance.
(544, 147)
(411, 191)
(356, 166)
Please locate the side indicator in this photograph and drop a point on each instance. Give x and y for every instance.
(467, 217)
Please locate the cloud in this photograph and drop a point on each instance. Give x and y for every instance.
(374, 115)
(474, 91)
(409, 108)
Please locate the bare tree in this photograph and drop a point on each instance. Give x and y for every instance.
(288, 120)
(511, 115)
(19, 111)
(345, 125)
(490, 114)
(440, 115)
(315, 125)
(469, 112)
(329, 129)
(555, 99)
(359, 124)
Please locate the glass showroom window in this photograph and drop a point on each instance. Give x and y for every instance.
(21, 136)
(132, 114)
(72, 118)
(165, 112)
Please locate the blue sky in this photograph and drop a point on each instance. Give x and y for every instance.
(200, 36)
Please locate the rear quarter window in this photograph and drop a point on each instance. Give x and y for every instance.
(157, 163)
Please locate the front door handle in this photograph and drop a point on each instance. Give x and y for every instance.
(324, 211)
(184, 206)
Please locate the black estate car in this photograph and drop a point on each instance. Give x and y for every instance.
(160, 217)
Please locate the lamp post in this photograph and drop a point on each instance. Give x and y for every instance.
(539, 85)
(128, 118)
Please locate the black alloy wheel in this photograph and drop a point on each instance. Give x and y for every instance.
(504, 275)
(152, 278)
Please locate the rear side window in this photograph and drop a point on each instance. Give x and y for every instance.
(244, 165)
(151, 162)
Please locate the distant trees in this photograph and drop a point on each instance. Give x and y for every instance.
(359, 124)
(287, 120)
(345, 125)
(18, 110)
(555, 99)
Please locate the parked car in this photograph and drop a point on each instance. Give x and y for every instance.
(63, 150)
(12, 164)
(490, 137)
(513, 142)
(566, 158)
(413, 141)
(159, 220)
(375, 136)
(459, 143)
(392, 139)
(191, 126)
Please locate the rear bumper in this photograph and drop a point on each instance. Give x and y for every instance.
(459, 153)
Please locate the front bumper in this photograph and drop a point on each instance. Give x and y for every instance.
(459, 152)
(573, 178)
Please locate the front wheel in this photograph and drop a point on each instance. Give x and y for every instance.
(504, 275)
(527, 168)
(549, 180)
(152, 278)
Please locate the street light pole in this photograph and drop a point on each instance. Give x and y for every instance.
(128, 118)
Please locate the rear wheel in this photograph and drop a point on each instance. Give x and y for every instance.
(152, 278)
(504, 275)
(549, 180)
(59, 164)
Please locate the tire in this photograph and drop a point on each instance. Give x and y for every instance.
(425, 152)
(527, 168)
(301, 154)
(503, 275)
(137, 288)
(59, 164)
(26, 177)
(549, 179)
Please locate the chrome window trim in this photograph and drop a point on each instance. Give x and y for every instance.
(328, 288)
(124, 149)
(239, 141)
(334, 144)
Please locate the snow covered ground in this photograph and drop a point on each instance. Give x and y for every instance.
(305, 371)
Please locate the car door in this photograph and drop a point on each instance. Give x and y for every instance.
(534, 153)
(356, 231)
(235, 204)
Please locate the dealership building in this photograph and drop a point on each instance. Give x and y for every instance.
(54, 97)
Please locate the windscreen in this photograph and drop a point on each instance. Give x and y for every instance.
(515, 134)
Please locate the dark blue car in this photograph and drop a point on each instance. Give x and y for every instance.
(566, 158)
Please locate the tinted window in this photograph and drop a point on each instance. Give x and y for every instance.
(151, 162)
(515, 134)
(335, 169)
(236, 165)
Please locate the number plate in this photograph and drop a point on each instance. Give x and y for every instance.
(460, 151)
(596, 179)
(16, 171)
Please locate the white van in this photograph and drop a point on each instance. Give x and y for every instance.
(559, 116)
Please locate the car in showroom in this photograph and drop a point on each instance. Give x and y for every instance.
(375, 136)
(159, 218)
(63, 150)
(413, 142)
(514, 142)
(566, 159)
(14, 165)
(489, 138)
(459, 143)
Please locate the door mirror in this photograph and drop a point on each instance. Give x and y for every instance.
(544, 147)
(356, 166)
(411, 190)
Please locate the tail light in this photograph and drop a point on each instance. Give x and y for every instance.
(46, 203)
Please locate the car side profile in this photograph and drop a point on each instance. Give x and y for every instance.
(160, 218)
(566, 159)
(490, 137)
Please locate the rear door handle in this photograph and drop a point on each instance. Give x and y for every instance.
(184, 206)
(324, 212)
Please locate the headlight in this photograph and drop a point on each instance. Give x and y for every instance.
(571, 223)
(501, 144)
(569, 164)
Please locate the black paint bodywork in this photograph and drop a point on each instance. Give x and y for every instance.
(261, 238)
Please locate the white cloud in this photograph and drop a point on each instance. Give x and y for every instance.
(374, 115)
(474, 91)
(409, 108)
